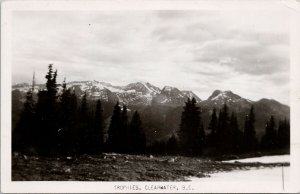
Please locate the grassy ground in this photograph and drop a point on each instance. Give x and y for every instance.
(118, 167)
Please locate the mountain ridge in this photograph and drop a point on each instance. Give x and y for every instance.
(137, 93)
(163, 107)
(143, 93)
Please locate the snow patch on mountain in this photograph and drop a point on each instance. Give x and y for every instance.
(138, 93)
(224, 95)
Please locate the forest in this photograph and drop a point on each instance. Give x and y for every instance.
(64, 124)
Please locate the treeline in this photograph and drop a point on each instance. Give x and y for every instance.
(227, 136)
(224, 135)
(60, 123)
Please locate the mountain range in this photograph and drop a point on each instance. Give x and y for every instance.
(139, 93)
(167, 102)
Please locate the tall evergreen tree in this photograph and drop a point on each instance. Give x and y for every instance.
(191, 132)
(124, 133)
(223, 132)
(51, 85)
(73, 125)
(250, 141)
(16, 108)
(114, 135)
(283, 136)
(236, 134)
(98, 139)
(84, 127)
(47, 115)
(270, 137)
(24, 135)
(66, 132)
(138, 138)
(213, 127)
(184, 133)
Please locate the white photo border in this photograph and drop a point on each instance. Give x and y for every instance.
(9, 186)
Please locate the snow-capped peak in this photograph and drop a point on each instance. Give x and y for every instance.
(143, 87)
(223, 95)
(138, 93)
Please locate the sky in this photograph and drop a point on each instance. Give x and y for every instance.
(246, 52)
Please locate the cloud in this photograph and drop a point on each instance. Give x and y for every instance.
(245, 56)
(192, 50)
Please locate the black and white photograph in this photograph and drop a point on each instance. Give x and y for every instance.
(139, 97)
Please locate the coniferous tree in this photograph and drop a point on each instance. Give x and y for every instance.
(67, 132)
(200, 137)
(138, 138)
(114, 136)
(184, 133)
(24, 135)
(16, 109)
(250, 141)
(283, 136)
(236, 134)
(47, 115)
(84, 143)
(223, 132)
(124, 133)
(98, 139)
(73, 123)
(270, 137)
(64, 114)
(191, 132)
(213, 127)
(51, 83)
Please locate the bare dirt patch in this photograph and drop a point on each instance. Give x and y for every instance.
(119, 167)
